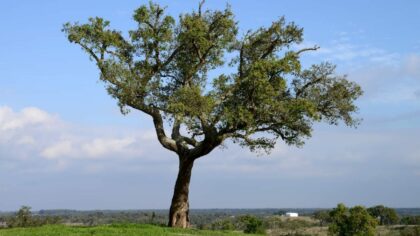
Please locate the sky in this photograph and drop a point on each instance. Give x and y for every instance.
(65, 145)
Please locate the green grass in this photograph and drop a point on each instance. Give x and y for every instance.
(110, 230)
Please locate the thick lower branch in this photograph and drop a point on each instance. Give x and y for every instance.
(166, 142)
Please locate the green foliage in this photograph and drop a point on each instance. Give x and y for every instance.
(280, 212)
(225, 224)
(323, 217)
(252, 224)
(162, 69)
(25, 218)
(351, 222)
(385, 215)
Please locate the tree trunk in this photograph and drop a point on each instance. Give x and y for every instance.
(179, 211)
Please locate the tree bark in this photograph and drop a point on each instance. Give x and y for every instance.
(179, 211)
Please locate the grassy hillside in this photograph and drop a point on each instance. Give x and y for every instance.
(110, 230)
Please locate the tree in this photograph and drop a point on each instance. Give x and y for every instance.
(161, 69)
(355, 221)
(323, 217)
(385, 215)
(252, 224)
(23, 218)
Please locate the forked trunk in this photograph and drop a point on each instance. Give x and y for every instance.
(179, 211)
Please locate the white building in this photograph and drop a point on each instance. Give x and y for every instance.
(291, 214)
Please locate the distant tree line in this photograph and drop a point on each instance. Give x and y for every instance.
(341, 220)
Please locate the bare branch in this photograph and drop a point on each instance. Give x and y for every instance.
(200, 5)
(314, 48)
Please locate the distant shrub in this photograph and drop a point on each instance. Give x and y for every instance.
(385, 215)
(323, 217)
(355, 221)
(280, 213)
(24, 218)
(252, 224)
(225, 224)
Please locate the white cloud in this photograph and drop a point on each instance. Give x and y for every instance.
(34, 134)
(58, 150)
(30, 116)
(100, 147)
(87, 147)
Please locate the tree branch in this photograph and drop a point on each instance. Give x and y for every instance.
(200, 5)
(314, 48)
(190, 141)
(304, 87)
(197, 51)
(170, 58)
(166, 142)
(241, 59)
(175, 129)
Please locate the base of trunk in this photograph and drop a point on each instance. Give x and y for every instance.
(179, 217)
(179, 211)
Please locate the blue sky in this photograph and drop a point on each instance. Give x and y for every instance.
(64, 144)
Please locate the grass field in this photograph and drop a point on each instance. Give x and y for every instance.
(110, 230)
(146, 230)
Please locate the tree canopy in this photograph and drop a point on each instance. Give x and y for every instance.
(161, 68)
(385, 215)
